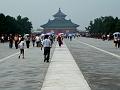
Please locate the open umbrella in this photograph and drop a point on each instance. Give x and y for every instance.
(116, 33)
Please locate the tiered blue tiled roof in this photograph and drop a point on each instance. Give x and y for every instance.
(59, 22)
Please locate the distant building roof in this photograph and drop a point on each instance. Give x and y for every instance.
(59, 22)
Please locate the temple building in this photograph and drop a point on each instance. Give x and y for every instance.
(59, 24)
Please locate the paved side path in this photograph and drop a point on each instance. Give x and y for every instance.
(63, 72)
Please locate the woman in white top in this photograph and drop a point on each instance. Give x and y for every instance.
(21, 47)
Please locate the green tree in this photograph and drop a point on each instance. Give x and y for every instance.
(24, 25)
(117, 27)
(10, 25)
(106, 24)
(2, 23)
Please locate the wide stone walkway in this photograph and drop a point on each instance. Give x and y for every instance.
(22, 74)
(63, 72)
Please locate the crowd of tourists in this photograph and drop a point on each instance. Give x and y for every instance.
(115, 37)
(43, 41)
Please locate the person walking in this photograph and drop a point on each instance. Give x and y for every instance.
(70, 36)
(33, 40)
(16, 39)
(21, 47)
(59, 39)
(37, 41)
(10, 41)
(2, 39)
(28, 41)
(47, 46)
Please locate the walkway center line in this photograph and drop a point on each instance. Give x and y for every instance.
(115, 55)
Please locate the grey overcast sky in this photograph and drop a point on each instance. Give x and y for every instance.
(79, 11)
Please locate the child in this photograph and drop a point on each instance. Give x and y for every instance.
(21, 46)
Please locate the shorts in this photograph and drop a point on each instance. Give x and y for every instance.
(22, 51)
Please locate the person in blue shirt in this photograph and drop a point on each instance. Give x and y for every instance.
(47, 46)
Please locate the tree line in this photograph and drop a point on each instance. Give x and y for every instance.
(104, 25)
(12, 25)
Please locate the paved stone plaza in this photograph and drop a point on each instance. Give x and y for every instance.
(22, 74)
(98, 60)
